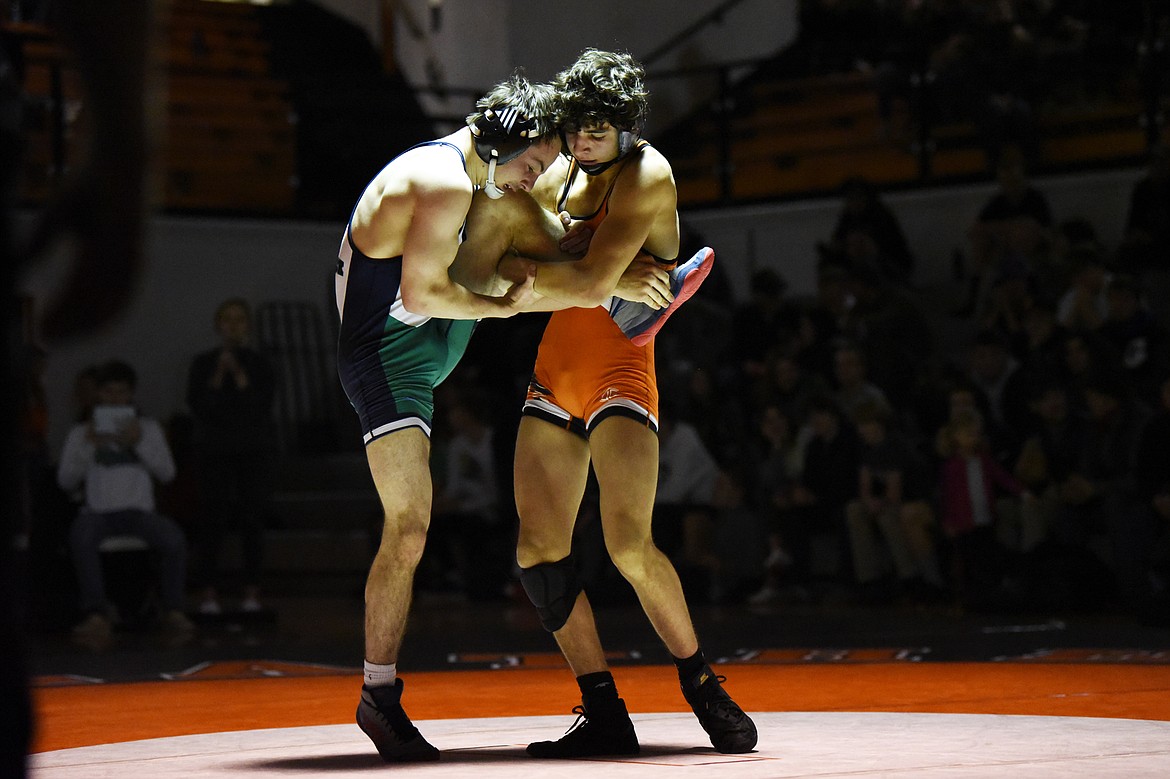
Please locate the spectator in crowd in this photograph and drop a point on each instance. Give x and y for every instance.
(1040, 341)
(822, 322)
(114, 459)
(996, 373)
(1146, 245)
(1083, 304)
(1153, 486)
(1139, 341)
(888, 325)
(1082, 354)
(1049, 454)
(853, 388)
(718, 416)
(467, 530)
(758, 325)
(1012, 296)
(684, 503)
(1016, 223)
(867, 233)
(790, 386)
(777, 455)
(816, 499)
(1099, 497)
(891, 518)
(974, 491)
(230, 391)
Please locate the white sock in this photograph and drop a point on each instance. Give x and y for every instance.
(379, 675)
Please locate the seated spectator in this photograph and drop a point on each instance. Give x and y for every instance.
(814, 502)
(115, 457)
(889, 327)
(854, 389)
(1083, 305)
(469, 547)
(1011, 298)
(1140, 342)
(1153, 486)
(717, 415)
(891, 518)
(1100, 498)
(1016, 223)
(1039, 344)
(766, 320)
(1082, 355)
(1050, 452)
(790, 385)
(230, 391)
(974, 491)
(822, 321)
(684, 503)
(996, 374)
(777, 456)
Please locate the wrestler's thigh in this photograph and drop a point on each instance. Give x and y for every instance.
(399, 464)
(625, 459)
(550, 471)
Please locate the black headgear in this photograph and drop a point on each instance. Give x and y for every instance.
(501, 135)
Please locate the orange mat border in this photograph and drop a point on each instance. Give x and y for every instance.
(84, 715)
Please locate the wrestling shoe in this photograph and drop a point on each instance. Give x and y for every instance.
(731, 730)
(381, 717)
(640, 322)
(603, 731)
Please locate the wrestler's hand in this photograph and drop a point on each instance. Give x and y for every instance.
(521, 295)
(645, 281)
(577, 236)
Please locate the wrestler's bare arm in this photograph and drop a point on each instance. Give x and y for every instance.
(415, 208)
(642, 214)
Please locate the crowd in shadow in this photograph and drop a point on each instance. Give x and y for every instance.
(993, 65)
(838, 446)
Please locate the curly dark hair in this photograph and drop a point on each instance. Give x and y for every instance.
(602, 86)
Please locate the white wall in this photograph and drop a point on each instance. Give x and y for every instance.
(193, 264)
(481, 41)
(784, 236)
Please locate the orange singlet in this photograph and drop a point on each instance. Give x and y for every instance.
(586, 368)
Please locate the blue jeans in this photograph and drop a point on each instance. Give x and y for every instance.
(168, 546)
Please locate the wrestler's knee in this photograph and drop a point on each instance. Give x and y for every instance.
(633, 558)
(403, 540)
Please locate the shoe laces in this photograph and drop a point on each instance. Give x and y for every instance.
(582, 719)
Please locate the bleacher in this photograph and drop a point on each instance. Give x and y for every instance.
(229, 144)
(803, 137)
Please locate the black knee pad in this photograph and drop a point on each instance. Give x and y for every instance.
(553, 588)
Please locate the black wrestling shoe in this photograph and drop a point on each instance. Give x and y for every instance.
(603, 731)
(731, 730)
(381, 717)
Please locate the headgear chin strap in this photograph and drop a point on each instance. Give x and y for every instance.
(627, 140)
(489, 187)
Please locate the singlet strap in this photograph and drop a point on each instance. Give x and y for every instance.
(572, 175)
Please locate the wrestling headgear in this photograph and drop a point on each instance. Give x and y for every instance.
(501, 135)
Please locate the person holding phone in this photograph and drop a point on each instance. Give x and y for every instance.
(114, 459)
